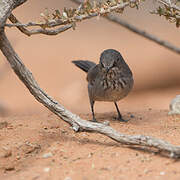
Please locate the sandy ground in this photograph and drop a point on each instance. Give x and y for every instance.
(35, 144)
(44, 147)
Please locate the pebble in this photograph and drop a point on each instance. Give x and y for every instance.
(10, 168)
(46, 169)
(132, 116)
(175, 106)
(5, 152)
(67, 178)
(162, 173)
(47, 155)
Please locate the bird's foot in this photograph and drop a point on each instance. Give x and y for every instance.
(120, 119)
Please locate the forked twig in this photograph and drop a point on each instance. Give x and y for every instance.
(22, 28)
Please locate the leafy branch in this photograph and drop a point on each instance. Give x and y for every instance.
(171, 11)
(69, 17)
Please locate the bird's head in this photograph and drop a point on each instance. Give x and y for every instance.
(109, 58)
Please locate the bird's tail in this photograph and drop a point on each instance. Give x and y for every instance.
(84, 65)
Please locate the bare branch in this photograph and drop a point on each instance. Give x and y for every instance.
(5, 9)
(6, 6)
(18, 3)
(13, 19)
(143, 33)
(51, 31)
(22, 28)
(75, 121)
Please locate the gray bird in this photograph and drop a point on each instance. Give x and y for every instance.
(110, 80)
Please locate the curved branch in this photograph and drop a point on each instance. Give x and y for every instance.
(22, 28)
(48, 31)
(75, 121)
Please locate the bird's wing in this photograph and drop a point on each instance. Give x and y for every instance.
(84, 65)
(92, 74)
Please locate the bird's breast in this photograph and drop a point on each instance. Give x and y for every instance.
(114, 80)
(111, 86)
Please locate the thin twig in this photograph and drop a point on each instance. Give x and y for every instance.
(68, 23)
(50, 31)
(22, 28)
(140, 32)
(143, 33)
(50, 24)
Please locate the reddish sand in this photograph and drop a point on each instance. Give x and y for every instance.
(44, 147)
(35, 144)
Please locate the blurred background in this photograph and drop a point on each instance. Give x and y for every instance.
(156, 70)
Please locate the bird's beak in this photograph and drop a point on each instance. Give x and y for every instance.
(107, 69)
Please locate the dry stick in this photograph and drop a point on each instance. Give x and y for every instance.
(75, 121)
(143, 33)
(22, 28)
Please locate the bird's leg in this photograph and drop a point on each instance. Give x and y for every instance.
(92, 109)
(119, 114)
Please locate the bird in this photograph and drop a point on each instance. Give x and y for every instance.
(111, 80)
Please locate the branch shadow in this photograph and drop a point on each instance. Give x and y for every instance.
(64, 136)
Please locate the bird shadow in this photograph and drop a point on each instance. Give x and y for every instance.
(134, 118)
